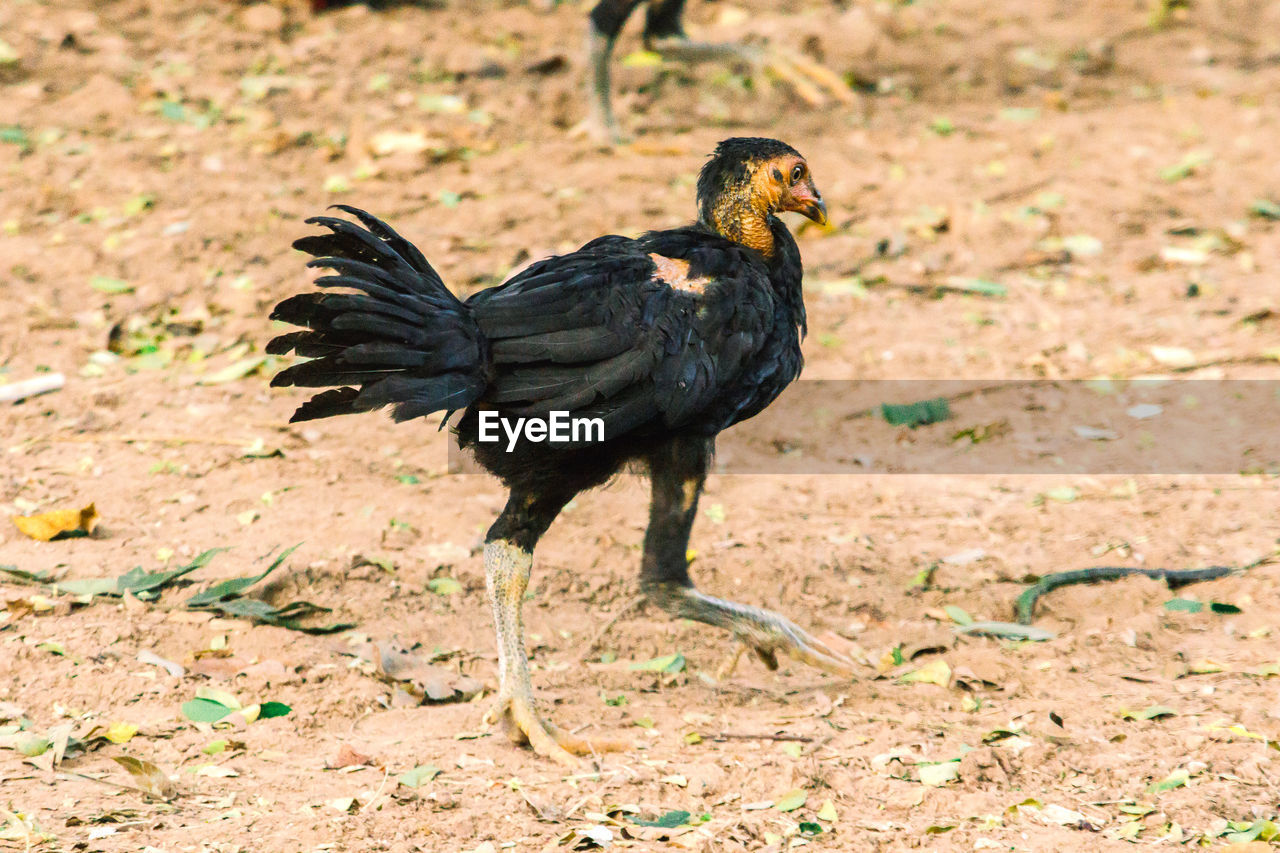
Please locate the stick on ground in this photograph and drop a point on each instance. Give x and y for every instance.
(15, 391)
(1024, 607)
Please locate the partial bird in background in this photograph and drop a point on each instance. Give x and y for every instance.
(664, 34)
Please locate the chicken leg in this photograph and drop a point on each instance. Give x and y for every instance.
(664, 34)
(678, 473)
(508, 559)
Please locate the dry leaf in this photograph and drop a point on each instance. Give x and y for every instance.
(415, 675)
(934, 672)
(58, 523)
(121, 732)
(59, 738)
(348, 757)
(151, 779)
(174, 669)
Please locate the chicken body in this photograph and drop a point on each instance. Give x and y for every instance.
(666, 339)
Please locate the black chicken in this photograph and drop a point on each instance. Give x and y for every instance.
(667, 339)
(664, 34)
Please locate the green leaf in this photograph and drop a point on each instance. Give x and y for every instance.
(958, 615)
(12, 134)
(337, 184)
(1020, 114)
(24, 575)
(418, 776)
(89, 586)
(32, 745)
(173, 110)
(139, 203)
(146, 585)
(103, 284)
(1264, 208)
(283, 617)
(916, 414)
(1184, 605)
(792, 800)
(1260, 830)
(1176, 779)
(273, 709)
(236, 370)
(978, 285)
(670, 820)
(1063, 494)
(942, 126)
(214, 747)
(923, 578)
(442, 103)
(204, 710)
(808, 827)
(1186, 167)
(671, 663)
(236, 586)
(444, 586)
(642, 59)
(1223, 607)
(222, 697)
(1006, 631)
(937, 775)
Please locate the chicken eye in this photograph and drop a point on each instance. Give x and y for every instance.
(797, 173)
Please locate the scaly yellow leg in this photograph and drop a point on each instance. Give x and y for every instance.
(506, 571)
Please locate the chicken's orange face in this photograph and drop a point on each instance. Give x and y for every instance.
(790, 186)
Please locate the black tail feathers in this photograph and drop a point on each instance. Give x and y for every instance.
(401, 336)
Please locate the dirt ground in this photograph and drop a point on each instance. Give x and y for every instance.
(1103, 162)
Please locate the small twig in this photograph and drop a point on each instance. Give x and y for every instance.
(723, 736)
(1218, 362)
(386, 774)
(608, 626)
(1017, 192)
(15, 391)
(924, 288)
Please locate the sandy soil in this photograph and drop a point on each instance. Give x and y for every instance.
(1097, 162)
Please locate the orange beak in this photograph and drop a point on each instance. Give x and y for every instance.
(805, 200)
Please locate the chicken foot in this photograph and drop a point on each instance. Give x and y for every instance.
(764, 632)
(813, 83)
(507, 568)
(678, 474)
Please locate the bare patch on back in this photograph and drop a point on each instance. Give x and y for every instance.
(675, 272)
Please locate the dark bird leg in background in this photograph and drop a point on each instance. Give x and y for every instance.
(678, 471)
(508, 560)
(664, 34)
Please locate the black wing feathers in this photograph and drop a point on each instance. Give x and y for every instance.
(596, 333)
(402, 337)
